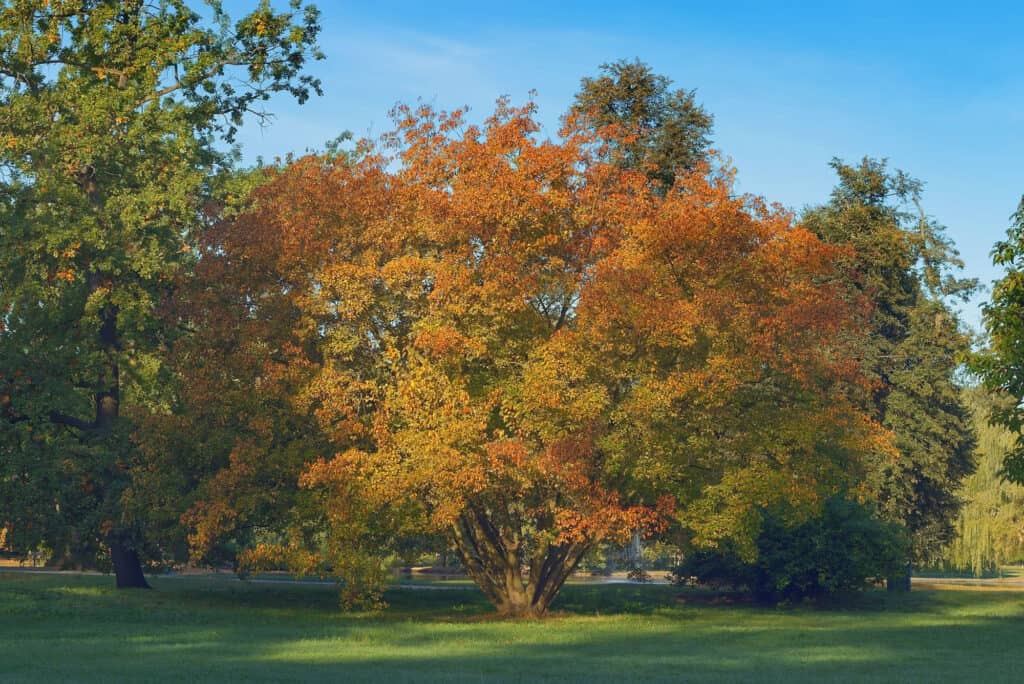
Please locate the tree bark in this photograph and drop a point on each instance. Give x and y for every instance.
(127, 568)
(900, 582)
(125, 559)
(71, 555)
(491, 557)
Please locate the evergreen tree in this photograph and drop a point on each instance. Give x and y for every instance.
(659, 131)
(907, 267)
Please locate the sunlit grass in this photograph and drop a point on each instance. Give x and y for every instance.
(81, 629)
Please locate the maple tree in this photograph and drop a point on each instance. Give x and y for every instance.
(523, 346)
(111, 114)
(223, 460)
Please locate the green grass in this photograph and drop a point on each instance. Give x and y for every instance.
(61, 628)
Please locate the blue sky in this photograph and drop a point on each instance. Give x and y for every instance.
(938, 88)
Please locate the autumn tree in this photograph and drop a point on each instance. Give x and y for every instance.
(648, 126)
(111, 117)
(908, 268)
(521, 345)
(222, 462)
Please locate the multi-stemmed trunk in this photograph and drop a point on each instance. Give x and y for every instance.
(520, 579)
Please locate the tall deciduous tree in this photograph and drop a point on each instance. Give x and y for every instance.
(525, 347)
(110, 116)
(223, 461)
(1002, 363)
(907, 267)
(652, 128)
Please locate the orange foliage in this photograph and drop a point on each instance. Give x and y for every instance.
(515, 343)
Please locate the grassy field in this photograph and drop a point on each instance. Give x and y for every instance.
(75, 628)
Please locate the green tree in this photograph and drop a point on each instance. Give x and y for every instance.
(665, 131)
(832, 555)
(990, 527)
(113, 115)
(1001, 365)
(907, 267)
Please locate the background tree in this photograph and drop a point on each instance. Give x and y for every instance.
(990, 527)
(224, 463)
(648, 128)
(906, 266)
(832, 555)
(110, 116)
(524, 347)
(1001, 363)
(651, 128)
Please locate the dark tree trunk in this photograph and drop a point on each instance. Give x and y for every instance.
(900, 582)
(491, 556)
(73, 556)
(127, 568)
(125, 559)
(108, 398)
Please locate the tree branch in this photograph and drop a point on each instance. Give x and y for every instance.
(70, 421)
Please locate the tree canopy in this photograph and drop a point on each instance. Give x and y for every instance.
(650, 128)
(459, 334)
(520, 345)
(1000, 363)
(905, 265)
(110, 116)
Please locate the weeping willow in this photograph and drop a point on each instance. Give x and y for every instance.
(991, 523)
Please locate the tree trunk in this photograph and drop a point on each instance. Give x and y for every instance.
(69, 558)
(125, 559)
(127, 568)
(491, 557)
(900, 582)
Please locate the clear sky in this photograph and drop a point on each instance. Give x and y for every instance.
(936, 87)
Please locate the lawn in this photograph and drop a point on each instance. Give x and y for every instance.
(77, 628)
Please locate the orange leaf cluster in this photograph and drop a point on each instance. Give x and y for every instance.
(502, 335)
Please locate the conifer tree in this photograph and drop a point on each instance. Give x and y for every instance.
(648, 126)
(908, 268)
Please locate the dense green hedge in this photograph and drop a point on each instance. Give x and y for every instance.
(831, 556)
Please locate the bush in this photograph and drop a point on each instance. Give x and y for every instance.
(834, 555)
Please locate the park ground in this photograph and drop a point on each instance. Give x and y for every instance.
(77, 628)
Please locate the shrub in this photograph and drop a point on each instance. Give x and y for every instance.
(834, 555)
